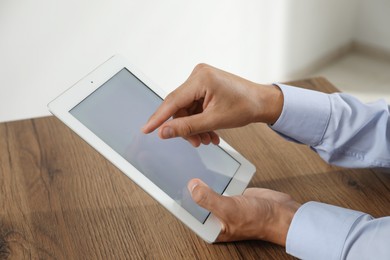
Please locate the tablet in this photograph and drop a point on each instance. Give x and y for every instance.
(109, 106)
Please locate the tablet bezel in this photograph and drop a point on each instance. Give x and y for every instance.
(61, 106)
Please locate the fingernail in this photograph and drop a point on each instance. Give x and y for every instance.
(167, 132)
(192, 184)
(193, 187)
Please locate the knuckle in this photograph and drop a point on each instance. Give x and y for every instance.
(205, 71)
(224, 235)
(200, 67)
(170, 97)
(171, 101)
(186, 129)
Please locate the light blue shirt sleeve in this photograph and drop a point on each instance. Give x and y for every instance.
(340, 128)
(322, 231)
(344, 132)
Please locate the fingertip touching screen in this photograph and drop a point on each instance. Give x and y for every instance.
(116, 112)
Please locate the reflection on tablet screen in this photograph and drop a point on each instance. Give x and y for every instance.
(117, 110)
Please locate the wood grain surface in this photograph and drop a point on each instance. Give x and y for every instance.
(60, 199)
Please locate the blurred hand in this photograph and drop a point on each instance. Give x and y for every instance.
(212, 99)
(257, 214)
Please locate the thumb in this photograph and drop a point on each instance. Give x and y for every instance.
(205, 197)
(185, 126)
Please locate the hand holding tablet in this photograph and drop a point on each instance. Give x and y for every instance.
(108, 108)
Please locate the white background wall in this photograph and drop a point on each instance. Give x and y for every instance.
(48, 45)
(317, 29)
(373, 23)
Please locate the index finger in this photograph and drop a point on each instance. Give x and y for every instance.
(182, 97)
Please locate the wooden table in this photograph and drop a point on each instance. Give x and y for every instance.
(60, 199)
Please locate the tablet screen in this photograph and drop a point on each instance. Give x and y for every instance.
(117, 110)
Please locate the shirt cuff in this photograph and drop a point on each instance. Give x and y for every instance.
(305, 115)
(319, 231)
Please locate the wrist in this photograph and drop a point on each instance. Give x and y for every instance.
(279, 225)
(270, 103)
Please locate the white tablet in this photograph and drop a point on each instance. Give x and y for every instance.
(108, 107)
